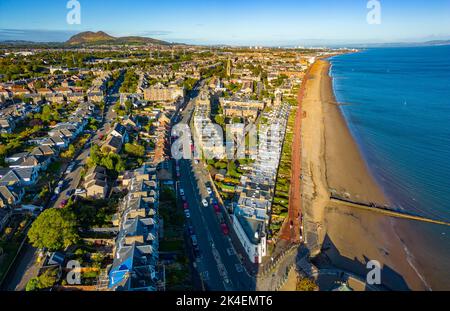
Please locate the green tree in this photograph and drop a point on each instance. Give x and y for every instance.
(135, 150)
(69, 153)
(54, 229)
(95, 155)
(33, 285)
(46, 114)
(48, 279)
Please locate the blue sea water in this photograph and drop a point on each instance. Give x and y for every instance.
(397, 105)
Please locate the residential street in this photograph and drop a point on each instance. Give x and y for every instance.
(25, 266)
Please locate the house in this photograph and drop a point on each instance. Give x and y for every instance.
(16, 157)
(96, 188)
(55, 98)
(31, 161)
(56, 142)
(96, 183)
(130, 123)
(95, 96)
(10, 196)
(7, 125)
(112, 144)
(43, 151)
(120, 131)
(63, 90)
(75, 97)
(44, 91)
(20, 177)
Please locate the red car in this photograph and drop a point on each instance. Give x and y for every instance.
(185, 205)
(224, 228)
(216, 208)
(63, 204)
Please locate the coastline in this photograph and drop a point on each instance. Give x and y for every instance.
(342, 236)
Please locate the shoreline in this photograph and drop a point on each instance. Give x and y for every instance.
(348, 174)
(339, 235)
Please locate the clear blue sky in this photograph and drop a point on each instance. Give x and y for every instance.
(264, 22)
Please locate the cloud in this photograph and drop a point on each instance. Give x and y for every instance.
(38, 35)
(155, 33)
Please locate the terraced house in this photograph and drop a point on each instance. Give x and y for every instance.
(136, 254)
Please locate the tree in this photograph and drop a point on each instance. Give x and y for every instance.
(69, 153)
(33, 285)
(95, 155)
(306, 285)
(220, 119)
(48, 279)
(135, 150)
(46, 114)
(54, 229)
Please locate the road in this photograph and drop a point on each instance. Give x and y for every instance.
(72, 179)
(218, 263)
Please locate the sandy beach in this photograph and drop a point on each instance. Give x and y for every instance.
(344, 236)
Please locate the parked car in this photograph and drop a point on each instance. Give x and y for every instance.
(80, 191)
(191, 230)
(70, 192)
(63, 204)
(70, 168)
(58, 190)
(216, 208)
(205, 203)
(185, 205)
(208, 189)
(194, 240)
(181, 191)
(187, 213)
(224, 228)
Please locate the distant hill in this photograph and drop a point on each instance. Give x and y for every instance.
(100, 37)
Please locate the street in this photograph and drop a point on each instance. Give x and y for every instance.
(218, 263)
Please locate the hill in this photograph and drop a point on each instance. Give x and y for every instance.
(100, 37)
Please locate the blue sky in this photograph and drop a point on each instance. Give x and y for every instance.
(250, 22)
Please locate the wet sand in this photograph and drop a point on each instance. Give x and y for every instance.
(349, 237)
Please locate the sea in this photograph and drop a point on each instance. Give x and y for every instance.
(396, 102)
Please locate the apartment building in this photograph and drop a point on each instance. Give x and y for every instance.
(159, 92)
(251, 211)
